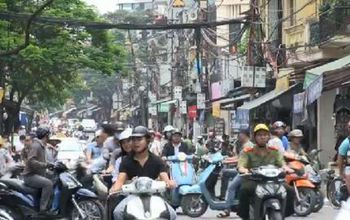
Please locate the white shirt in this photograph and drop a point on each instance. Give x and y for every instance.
(276, 142)
(177, 148)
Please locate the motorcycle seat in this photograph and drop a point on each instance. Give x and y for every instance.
(20, 186)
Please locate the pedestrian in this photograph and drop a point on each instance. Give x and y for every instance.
(156, 147)
(22, 130)
(6, 161)
(201, 150)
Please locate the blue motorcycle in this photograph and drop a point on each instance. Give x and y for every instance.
(74, 201)
(187, 195)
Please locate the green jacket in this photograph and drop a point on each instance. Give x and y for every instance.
(256, 156)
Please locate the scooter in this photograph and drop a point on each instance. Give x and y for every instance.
(305, 196)
(75, 202)
(315, 178)
(269, 202)
(184, 196)
(144, 202)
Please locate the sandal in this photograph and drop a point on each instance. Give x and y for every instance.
(225, 214)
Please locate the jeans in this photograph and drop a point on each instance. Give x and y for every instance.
(43, 183)
(232, 189)
(118, 212)
(227, 174)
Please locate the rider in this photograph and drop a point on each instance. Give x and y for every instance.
(344, 159)
(167, 131)
(126, 144)
(35, 170)
(296, 136)
(176, 145)
(139, 163)
(277, 132)
(259, 155)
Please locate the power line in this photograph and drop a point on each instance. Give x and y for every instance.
(124, 26)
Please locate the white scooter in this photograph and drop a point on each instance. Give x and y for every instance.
(143, 201)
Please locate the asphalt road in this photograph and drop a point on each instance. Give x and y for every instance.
(327, 213)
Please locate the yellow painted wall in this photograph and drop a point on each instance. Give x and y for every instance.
(297, 34)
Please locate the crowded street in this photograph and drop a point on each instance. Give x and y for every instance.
(174, 109)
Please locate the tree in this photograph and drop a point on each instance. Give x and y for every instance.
(49, 67)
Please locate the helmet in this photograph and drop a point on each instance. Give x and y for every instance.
(177, 131)
(125, 134)
(168, 128)
(296, 133)
(199, 137)
(81, 128)
(140, 131)
(42, 132)
(261, 127)
(278, 124)
(119, 126)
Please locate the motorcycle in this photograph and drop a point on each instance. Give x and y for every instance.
(184, 174)
(304, 189)
(5, 214)
(144, 203)
(336, 189)
(75, 202)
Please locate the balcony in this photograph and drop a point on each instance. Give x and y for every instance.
(333, 28)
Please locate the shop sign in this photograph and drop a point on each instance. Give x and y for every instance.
(183, 107)
(178, 92)
(298, 102)
(201, 101)
(216, 109)
(314, 90)
(192, 112)
(243, 118)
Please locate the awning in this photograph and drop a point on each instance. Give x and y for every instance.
(313, 74)
(268, 97)
(232, 100)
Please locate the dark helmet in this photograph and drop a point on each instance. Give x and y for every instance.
(81, 128)
(140, 131)
(42, 132)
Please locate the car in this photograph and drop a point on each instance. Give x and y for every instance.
(70, 152)
(89, 125)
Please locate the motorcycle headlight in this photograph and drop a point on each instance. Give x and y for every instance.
(261, 191)
(143, 185)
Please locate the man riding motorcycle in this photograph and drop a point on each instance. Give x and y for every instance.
(344, 159)
(35, 170)
(139, 163)
(176, 145)
(259, 155)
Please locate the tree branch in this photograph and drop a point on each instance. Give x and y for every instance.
(27, 30)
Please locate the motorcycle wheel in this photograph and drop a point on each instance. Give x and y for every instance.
(319, 201)
(12, 214)
(92, 208)
(307, 203)
(193, 205)
(333, 191)
(273, 215)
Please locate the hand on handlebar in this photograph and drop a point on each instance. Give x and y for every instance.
(171, 184)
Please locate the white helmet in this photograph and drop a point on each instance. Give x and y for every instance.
(125, 134)
(168, 128)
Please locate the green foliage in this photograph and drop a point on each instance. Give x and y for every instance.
(48, 70)
(243, 44)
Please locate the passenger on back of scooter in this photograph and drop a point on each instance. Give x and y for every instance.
(126, 147)
(295, 137)
(259, 155)
(35, 169)
(139, 163)
(176, 145)
(167, 132)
